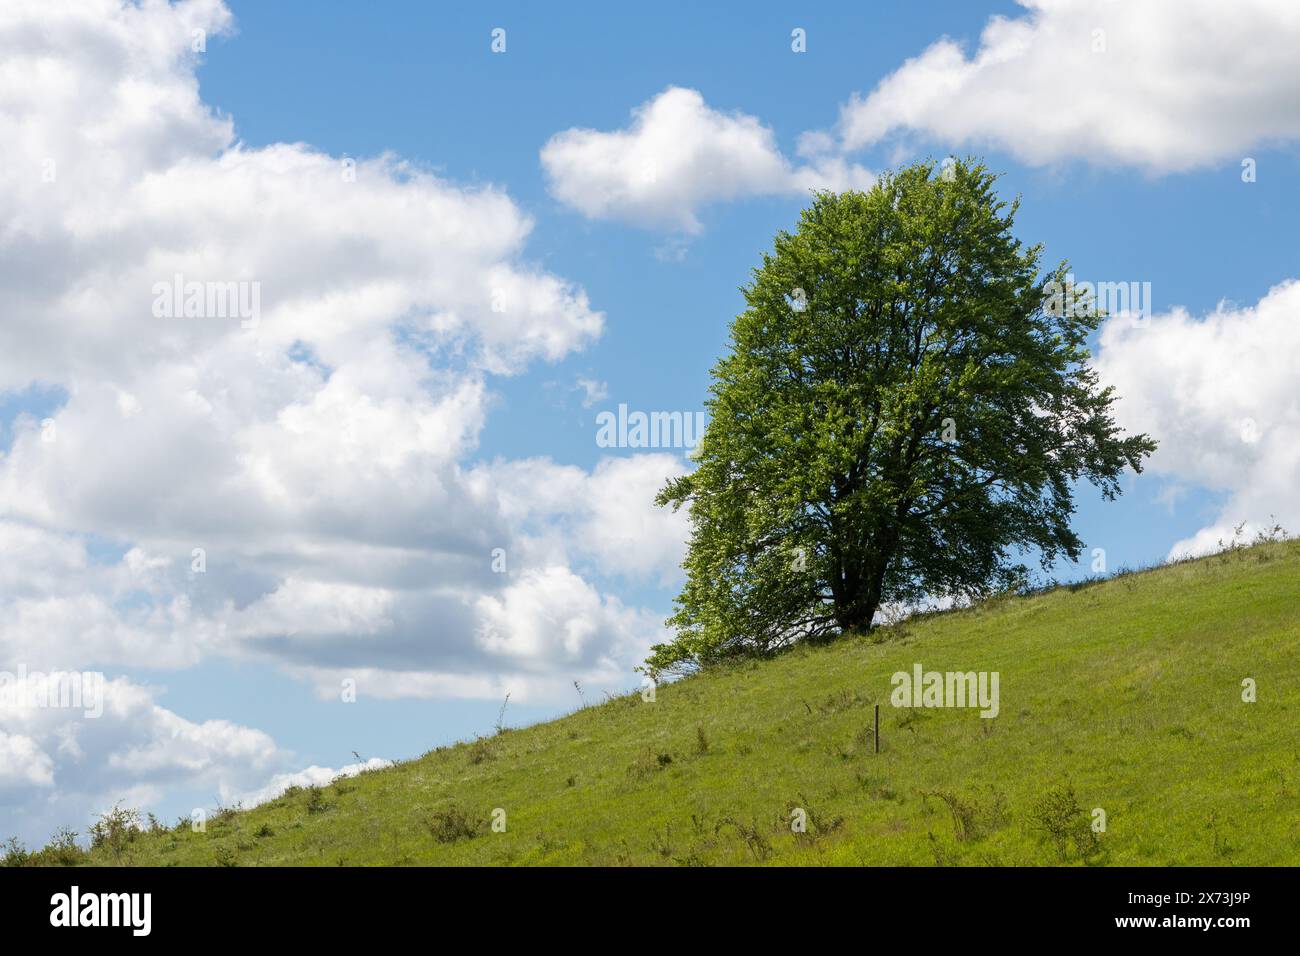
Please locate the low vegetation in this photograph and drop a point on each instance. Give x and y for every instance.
(1121, 705)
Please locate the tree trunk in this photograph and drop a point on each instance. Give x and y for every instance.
(857, 608)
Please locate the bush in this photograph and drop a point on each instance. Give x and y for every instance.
(115, 829)
(225, 856)
(62, 850)
(1059, 816)
(972, 819)
(453, 824)
(316, 800)
(480, 750)
(15, 853)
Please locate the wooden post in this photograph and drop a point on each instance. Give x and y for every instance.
(877, 728)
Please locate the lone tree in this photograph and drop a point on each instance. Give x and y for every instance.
(902, 414)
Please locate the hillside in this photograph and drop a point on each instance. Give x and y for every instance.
(1127, 692)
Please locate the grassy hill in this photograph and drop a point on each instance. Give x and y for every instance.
(1124, 695)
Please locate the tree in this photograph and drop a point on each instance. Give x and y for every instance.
(902, 414)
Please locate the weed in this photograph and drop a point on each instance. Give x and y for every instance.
(15, 854)
(971, 818)
(942, 855)
(225, 856)
(757, 844)
(909, 720)
(880, 790)
(818, 825)
(648, 761)
(501, 717)
(452, 824)
(1221, 846)
(62, 850)
(115, 829)
(749, 833)
(663, 847)
(316, 800)
(1058, 815)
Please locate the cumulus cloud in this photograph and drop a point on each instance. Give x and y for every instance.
(61, 765)
(1219, 392)
(312, 776)
(607, 517)
(23, 764)
(1164, 85)
(61, 609)
(298, 489)
(677, 155)
(550, 614)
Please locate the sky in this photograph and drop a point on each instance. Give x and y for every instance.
(336, 519)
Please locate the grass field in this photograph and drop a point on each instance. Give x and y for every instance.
(1124, 695)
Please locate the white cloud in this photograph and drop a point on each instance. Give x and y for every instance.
(1219, 393)
(593, 391)
(23, 763)
(303, 491)
(678, 155)
(550, 614)
(312, 776)
(61, 609)
(1164, 85)
(60, 767)
(623, 529)
(607, 516)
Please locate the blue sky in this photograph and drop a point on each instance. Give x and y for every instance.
(1119, 196)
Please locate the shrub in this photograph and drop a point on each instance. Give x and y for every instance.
(971, 818)
(225, 856)
(62, 850)
(15, 854)
(757, 844)
(316, 800)
(1058, 815)
(480, 750)
(648, 761)
(115, 829)
(818, 825)
(452, 824)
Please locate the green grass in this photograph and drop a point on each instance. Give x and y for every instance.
(1126, 692)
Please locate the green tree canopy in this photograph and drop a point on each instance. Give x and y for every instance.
(902, 415)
